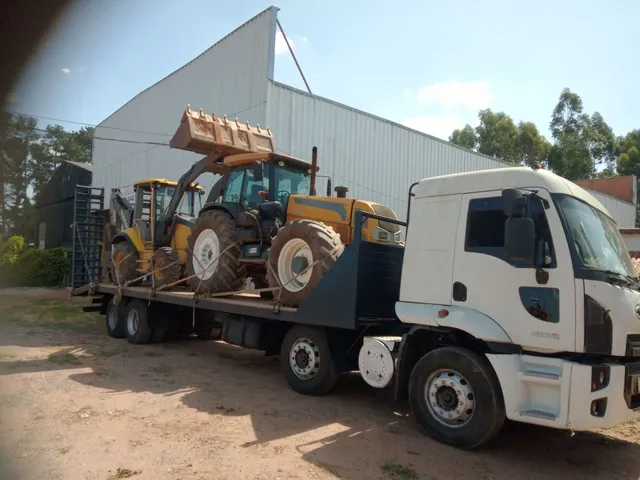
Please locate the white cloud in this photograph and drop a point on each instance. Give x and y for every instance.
(453, 93)
(66, 71)
(439, 126)
(281, 44)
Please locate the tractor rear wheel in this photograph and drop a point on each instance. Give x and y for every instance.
(166, 266)
(213, 271)
(297, 246)
(125, 262)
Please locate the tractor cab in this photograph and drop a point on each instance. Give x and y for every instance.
(255, 179)
(152, 198)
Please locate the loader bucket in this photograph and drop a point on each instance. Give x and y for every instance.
(218, 136)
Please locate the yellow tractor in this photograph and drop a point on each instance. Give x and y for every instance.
(262, 219)
(138, 237)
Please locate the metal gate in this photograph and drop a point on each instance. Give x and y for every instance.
(88, 230)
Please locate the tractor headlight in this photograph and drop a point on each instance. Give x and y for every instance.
(381, 235)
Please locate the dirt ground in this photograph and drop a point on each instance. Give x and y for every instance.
(76, 404)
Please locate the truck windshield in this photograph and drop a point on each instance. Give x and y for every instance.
(595, 237)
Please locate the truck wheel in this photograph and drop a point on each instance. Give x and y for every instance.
(456, 397)
(125, 258)
(115, 319)
(213, 232)
(296, 246)
(307, 361)
(138, 329)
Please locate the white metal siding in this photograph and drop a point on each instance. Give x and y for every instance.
(624, 213)
(230, 78)
(377, 159)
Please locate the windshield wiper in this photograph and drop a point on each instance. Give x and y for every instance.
(619, 277)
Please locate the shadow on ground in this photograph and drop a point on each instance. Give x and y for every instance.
(219, 379)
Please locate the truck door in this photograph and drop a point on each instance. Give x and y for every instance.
(533, 303)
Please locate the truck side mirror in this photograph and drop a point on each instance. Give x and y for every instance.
(519, 239)
(257, 171)
(514, 201)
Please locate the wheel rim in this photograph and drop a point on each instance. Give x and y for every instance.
(304, 359)
(294, 257)
(206, 251)
(112, 318)
(450, 398)
(133, 320)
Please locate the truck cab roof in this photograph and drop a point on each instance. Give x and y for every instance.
(501, 178)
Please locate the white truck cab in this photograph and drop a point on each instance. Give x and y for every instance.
(527, 282)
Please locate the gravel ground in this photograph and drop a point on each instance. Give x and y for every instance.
(76, 404)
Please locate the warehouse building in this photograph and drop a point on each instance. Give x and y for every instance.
(375, 158)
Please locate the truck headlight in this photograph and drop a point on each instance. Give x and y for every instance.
(381, 235)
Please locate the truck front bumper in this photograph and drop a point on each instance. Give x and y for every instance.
(568, 394)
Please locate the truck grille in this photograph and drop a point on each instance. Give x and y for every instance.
(632, 386)
(633, 346)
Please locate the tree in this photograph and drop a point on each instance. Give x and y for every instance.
(56, 146)
(465, 138)
(533, 147)
(19, 136)
(498, 136)
(576, 137)
(628, 161)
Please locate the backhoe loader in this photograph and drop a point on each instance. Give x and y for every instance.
(262, 218)
(134, 242)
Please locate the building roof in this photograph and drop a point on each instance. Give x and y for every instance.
(86, 165)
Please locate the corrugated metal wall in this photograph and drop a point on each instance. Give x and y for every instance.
(623, 188)
(377, 159)
(230, 78)
(624, 213)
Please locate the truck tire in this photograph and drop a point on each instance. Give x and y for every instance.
(125, 258)
(307, 361)
(167, 268)
(456, 397)
(214, 232)
(138, 328)
(297, 245)
(115, 319)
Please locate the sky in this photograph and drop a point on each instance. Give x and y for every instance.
(425, 64)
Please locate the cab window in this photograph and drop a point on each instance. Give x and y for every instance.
(289, 181)
(485, 230)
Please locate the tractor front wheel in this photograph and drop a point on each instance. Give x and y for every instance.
(166, 266)
(125, 263)
(212, 255)
(302, 252)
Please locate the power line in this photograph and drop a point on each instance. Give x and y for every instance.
(132, 141)
(90, 124)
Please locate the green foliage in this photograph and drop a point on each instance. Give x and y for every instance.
(28, 158)
(30, 267)
(10, 249)
(465, 138)
(581, 142)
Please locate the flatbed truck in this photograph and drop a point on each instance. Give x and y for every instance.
(514, 297)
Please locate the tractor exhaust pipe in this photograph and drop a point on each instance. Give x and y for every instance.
(314, 167)
(341, 192)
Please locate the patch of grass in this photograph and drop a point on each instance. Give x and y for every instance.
(396, 471)
(110, 352)
(6, 356)
(63, 358)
